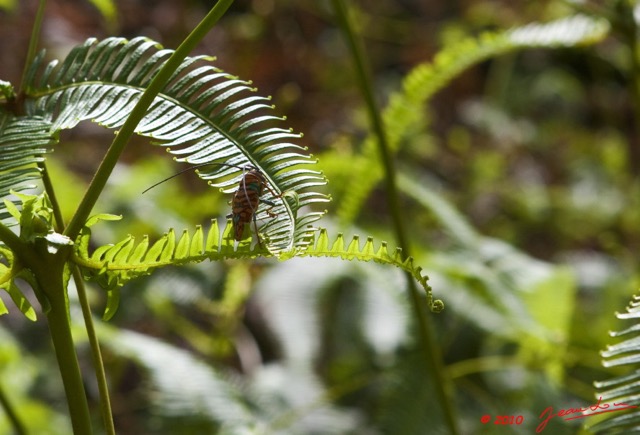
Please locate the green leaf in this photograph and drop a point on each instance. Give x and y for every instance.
(141, 249)
(101, 217)
(213, 238)
(7, 282)
(182, 249)
(168, 250)
(22, 302)
(113, 300)
(156, 250)
(197, 247)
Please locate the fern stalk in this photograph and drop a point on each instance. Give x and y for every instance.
(50, 278)
(431, 349)
(49, 272)
(96, 354)
(122, 137)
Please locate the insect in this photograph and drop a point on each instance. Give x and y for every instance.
(246, 199)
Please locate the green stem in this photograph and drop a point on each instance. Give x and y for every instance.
(124, 134)
(58, 223)
(101, 377)
(49, 272)
(432, 350)
(60, 330)
(12, 241)
(96, 354)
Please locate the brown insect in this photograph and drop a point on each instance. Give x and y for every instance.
(246, 199)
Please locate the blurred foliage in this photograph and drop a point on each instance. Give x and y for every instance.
(520, 183)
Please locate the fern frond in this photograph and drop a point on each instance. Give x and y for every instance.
(624, 389)
(322, 246)
(23, 143)
(111, 266)
(203, 116)
(129, 258)
(404, 113)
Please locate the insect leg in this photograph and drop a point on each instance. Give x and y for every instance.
(253, 211)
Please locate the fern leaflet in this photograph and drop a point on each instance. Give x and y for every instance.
(624, 389)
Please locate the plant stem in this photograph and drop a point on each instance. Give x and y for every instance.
(432, 350)
(49, 273)
(60, 330)
(10, 239)
(124, 134)
(98, 364)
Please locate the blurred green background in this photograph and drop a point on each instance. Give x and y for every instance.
(520, 188)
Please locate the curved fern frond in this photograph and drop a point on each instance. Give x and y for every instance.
(111, 266)
(624, 389)
(404, 113)
(204, 115)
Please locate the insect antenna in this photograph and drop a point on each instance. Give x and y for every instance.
(189, 169)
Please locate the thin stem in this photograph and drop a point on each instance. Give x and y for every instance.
(33, 42)
(432, 350)
(96, 354)
(58, 223)
(124, 134)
